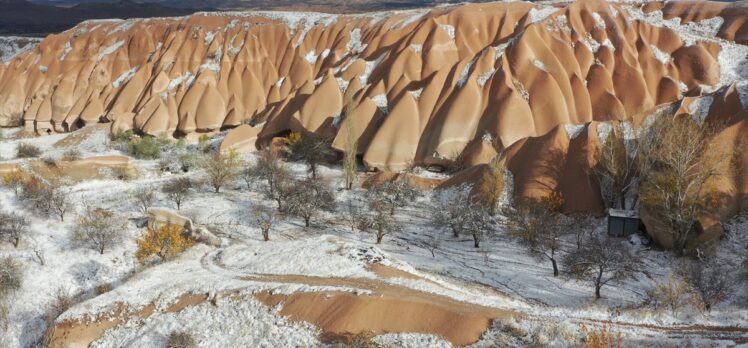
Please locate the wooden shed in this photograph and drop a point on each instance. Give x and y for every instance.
(623, 223)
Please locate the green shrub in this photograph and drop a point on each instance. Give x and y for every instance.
(24, 150)
(147, 147)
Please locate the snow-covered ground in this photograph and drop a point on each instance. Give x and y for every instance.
(11, 46)
(499, 274)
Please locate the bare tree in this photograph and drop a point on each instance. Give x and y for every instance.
(355, 215)
(99, 229)
(710, 283)
(222, 169)
(393, 194)
(178, 190)
(13, 228)
(11, 276)
(270, 169)
(265, 219)
(678, 165)
(312, 149)
(381, 221)
(144, 197)
(478, 222)
(537, 225)
(450, 209)
(59, 201)
(310, 197)
(671, 294)
(601, 260)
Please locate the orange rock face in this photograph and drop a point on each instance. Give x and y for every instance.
(424, 87)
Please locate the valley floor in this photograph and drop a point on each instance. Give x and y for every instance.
(308, 286)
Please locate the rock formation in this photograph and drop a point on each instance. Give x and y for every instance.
(425, 87)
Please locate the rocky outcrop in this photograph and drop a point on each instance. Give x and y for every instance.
(423, 87)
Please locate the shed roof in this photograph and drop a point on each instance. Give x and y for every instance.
(633, 214)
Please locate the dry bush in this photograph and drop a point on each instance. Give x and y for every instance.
(144, 197)
(180, 339)
(11, 276)
(99, 229)
(25, 150)
(13, 228)
(273, 173)
(671, 294)
(165, 242)
(393, 194)
(222, 168)
(62, 300)
(310, 197)
(15, 180)
(124, 173)
(601, 336)
(71, 155)
(710, 284)
(360, 340)
(178, 190)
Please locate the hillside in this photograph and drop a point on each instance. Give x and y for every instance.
(467, 215)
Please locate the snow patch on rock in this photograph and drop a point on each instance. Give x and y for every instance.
(663, 57)
(699, 108)
(110, 49)
(125, 77)
(540, 65)
(573, 130)
(539, 14)
(381, 102)
(599, 21)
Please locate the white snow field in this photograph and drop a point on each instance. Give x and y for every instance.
(499, 274)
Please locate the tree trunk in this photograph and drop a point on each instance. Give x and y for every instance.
(623, 200)
(101, 250)
(16, 242)
(380, 236)
(455, 232)
(476, 241)
(265, 235)
(555, 266)
(598, 282)
(218, 188)
(392, 209)
(306, 221)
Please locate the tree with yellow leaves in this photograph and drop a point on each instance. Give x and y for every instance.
(14, 180)
(222, 168)
(165, 242)
(494, 183)
(677, 168)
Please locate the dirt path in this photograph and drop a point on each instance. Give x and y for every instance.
(373, 304)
